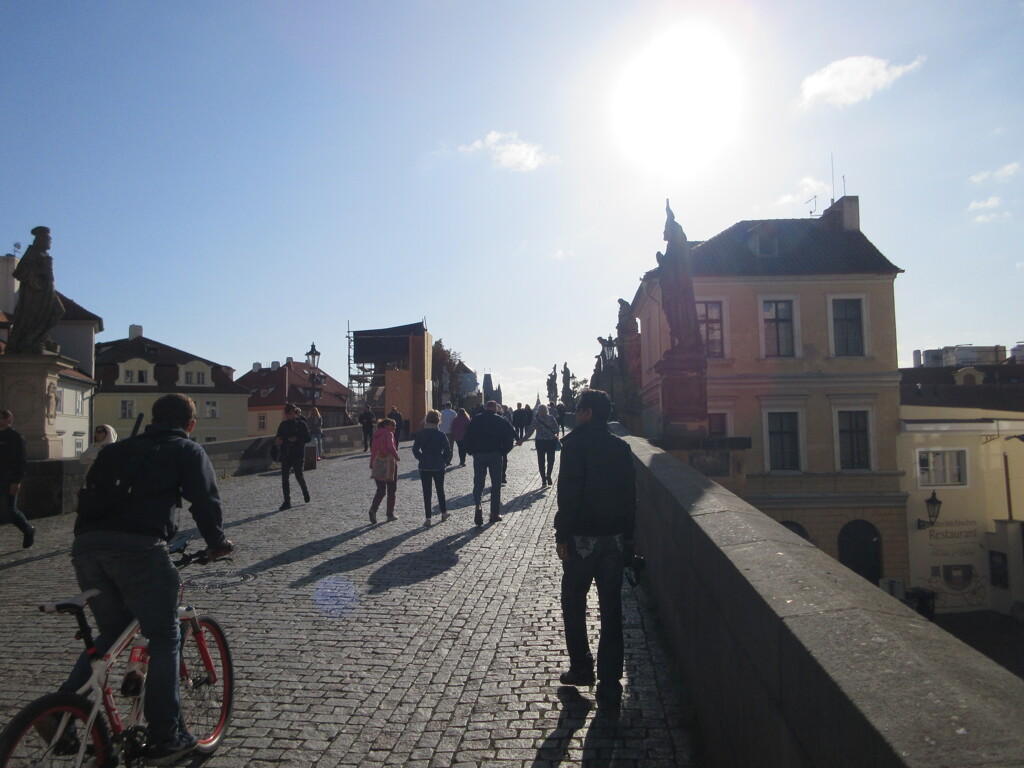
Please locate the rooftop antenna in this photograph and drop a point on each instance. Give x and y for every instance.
(832, 161)
(844, 185)
(812, 200)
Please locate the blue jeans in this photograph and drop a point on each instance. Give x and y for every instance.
(17, 518)
(140, 584)
(484, 464)
(599, 559)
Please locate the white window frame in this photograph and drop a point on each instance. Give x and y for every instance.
(943, 450)
(261, 421)
(129, 411)
(187, 374)
(726, 346)
(79, 402)
(797, 336)
(854, 403)
(795, 405)
(129, 373)
(211, 409)
(865, 324)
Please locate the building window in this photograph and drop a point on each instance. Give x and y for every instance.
(79, 446)
(127, 409)
(854, 448)
(942, 468)
(709, 313)
(717, 425)
(143, 377)
(261, 421)
(129, 376)
(211, 409)
(79, 403)
(848, 327)
(59, 398)
(783, 441)
(778, 329)
(210, 439)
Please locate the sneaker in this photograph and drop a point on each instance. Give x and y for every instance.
(577, 677)
(426, 523)
(29, 538)
(495, 519)
(171, 752)
(305, 496)
(478, 517)
(286, 505)
(373, 517)
(444, 516)
(391, 518)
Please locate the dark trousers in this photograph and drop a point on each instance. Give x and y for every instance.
(487, 464)
(462, 451)
(13, 515)
(604, 565)
(546, 454)
(436, 477)
(368, 437)
(520, 432)
(390, 488)
(289, 464)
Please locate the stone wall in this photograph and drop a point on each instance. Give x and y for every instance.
(794, 661)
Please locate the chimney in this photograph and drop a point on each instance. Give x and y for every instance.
(275, 365)
(844, 214)
(8, 285)
(134, 331)
(256, 367)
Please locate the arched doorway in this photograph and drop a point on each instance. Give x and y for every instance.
(860, 549)
(796, 528)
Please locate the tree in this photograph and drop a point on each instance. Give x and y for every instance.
(445, 363)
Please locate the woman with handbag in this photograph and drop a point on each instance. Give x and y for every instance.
(433, 451)
(546, 427)
(384, 467)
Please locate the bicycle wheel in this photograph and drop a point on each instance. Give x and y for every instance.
(207, 682)
(50, 730)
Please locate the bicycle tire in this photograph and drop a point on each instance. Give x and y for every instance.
(207, 695)
(21, 744)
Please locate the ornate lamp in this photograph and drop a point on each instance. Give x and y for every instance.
(933, 504)
(313, 357)
(315, 377)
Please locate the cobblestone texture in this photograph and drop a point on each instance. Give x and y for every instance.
(385, 645)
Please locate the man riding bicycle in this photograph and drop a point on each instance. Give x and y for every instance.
(124, 555)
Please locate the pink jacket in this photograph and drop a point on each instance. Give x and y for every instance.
(459, 427)
(383, 445)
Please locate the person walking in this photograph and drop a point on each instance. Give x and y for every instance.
(433, 451)
(517, 422)
(448, 416)
(102, 436)
(593, 537)
(396, 417)
(367, 421)
(13, 464)
(123, 554)
(490, 437)
(384, 467)
(459, 427)
(546, 427)
(315, 424)
(292, 436)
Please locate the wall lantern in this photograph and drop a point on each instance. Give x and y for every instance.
(933, 505)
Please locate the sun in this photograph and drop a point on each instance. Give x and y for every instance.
(677, 105)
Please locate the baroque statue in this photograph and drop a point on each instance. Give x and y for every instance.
(39, 308)
(553, 384)
(676, 279)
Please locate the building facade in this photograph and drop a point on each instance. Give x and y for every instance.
(133, 373)
(270, 387)
(798, 323)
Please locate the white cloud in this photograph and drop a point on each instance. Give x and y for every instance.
(807, 188)
(988, 218)
(978, 205)
(1001, 174)
(853, 79)
(509, 152)
(561, 254)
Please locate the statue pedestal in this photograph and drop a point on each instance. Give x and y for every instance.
(684, 394)
(28, 388)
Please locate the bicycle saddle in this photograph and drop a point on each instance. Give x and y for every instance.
(72, 604)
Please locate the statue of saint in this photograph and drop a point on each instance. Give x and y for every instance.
(39, 308)
(567, 398)
(553, 384)
(676, 280)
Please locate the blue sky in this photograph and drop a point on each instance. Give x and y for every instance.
(243, 178)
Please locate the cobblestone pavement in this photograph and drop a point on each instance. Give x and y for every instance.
(385, 645)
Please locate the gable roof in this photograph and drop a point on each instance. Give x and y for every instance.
(1001, 387)
(290, 383)
(162, 357)
(804, 247)
(76, 313)
(121, 350)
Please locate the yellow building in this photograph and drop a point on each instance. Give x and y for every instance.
(961, 440)
(799, 328)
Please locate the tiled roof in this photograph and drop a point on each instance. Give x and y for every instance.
(804, 247)
(1001, 387)
(162, 357)
(125, 349)
(75, 312)
(332, 393)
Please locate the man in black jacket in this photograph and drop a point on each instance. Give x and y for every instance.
(366, 421)
(489, 438)
(13, 462)
(292, 436)
(124, 555)
(593, 536)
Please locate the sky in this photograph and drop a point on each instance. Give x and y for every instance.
(245, 178)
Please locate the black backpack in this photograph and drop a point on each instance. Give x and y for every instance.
(110, 483)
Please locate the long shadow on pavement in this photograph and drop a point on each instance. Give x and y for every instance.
(414, 567)
(309, 549)
(351, 561)
(573, 716)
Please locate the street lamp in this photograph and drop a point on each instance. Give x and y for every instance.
(933, 505)
(315, 377)
(608, 350)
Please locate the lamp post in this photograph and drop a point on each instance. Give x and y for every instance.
(933, 504)
(608, 350)
(315, 377)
